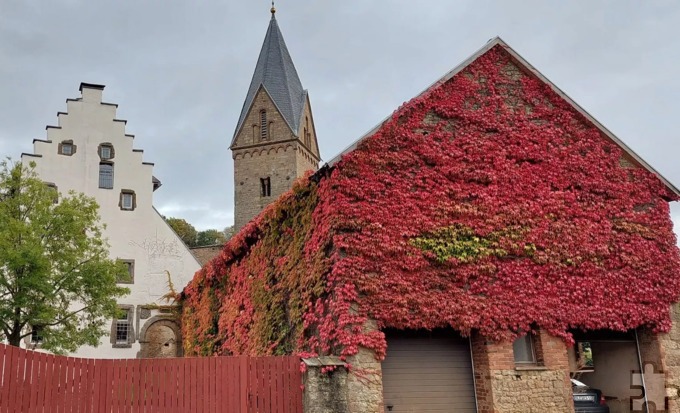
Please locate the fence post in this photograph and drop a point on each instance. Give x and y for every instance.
(343, 390)
(325, 392)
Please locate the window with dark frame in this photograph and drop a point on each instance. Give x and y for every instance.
(123, 327)
(106, 175)
(36, 335)
(66, 148)
(130, 265)
(128, 200)
(265, 187)
(524, 350)
(263, 125)
(584, 357)
(122, 333)
(53, 187)
(105, 151)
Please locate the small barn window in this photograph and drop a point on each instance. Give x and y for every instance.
(584, 357)
(106, 175)
(524, 350)
(264, 132)
(265, 187)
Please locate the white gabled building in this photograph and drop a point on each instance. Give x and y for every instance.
(89, 151)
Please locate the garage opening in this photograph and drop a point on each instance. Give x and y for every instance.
(606, 360)
(428, 372)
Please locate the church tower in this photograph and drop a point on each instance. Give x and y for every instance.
(275, 141)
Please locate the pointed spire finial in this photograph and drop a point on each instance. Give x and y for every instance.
(273, 9)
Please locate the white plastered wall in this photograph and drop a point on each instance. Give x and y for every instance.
(140, 235)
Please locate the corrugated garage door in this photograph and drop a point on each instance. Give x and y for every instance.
(427, 372)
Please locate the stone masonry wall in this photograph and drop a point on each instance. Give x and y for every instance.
(281, 156)
(661, 353)
(503, 387)
(276, 163)
(278, 129)
(670, 343)
(325, 392)
(364, 383)
(357, 389)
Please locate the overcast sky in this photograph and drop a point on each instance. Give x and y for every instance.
(180, 70)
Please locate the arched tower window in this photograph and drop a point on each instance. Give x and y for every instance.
(263, 125)
(308, 135)
(265, 187)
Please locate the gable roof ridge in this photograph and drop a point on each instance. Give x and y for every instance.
(451, 73)
(523, 62)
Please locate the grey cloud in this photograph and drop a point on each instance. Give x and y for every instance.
(180, 70)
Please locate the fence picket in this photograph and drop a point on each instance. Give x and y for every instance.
(38, 383)
(108, 385)
(205, 386)
(3, 399)
(70, 385)
(88, 387)
(73, 385)
(153, 384)
(233, 373)
(210, 386)
(252, 386)
(57, 388)
(19, 379)
(27, 380)
(118, 389)
(181, 366)
(167, 392)
(77, 384)
(263, 391)
(7, 379)
(156, 387)
(85, 383)
(221, 387)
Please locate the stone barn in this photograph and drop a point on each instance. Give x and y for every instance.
(484, 244)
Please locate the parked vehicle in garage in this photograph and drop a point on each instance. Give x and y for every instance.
(588, 400)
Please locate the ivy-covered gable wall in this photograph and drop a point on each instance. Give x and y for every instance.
(488, 203)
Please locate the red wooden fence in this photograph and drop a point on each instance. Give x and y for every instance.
(38, 382)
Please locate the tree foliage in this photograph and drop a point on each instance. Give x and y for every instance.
(185, 230)
(210, 237)
(193, 238)
(55, 274)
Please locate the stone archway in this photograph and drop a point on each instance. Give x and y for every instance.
(160, 338)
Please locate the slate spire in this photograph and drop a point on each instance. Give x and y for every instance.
(276, 73)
